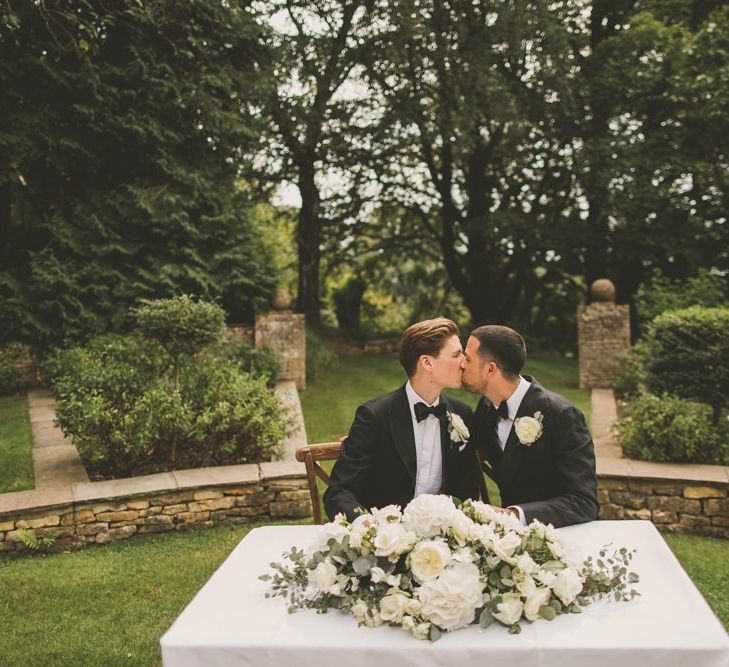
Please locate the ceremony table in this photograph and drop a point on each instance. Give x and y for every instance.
(230, 622)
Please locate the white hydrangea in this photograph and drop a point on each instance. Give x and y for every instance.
(428, 515)
(451, 599)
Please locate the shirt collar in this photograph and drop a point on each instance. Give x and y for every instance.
(413, 398)
(514, 401)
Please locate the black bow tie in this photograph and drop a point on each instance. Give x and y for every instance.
(502, 412)
(422, 411)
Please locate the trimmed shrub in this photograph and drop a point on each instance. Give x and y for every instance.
(125, 419)
(15, 376)
(670, 429)
(258, 361)
(629, 381)
(687, 355)
(661, 294)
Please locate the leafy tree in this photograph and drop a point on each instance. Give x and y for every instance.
(125, 127)
(313, 50)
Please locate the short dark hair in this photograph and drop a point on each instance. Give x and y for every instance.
(502, 345)
(426, 337)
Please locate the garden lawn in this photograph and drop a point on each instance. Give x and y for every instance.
(16, 444)
(105, 605)
(706, 560)
(110, 605)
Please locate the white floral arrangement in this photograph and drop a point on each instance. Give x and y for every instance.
(436, 567)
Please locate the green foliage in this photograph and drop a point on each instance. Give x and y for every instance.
(15, 375)
(630, 380)
(180, 324)
(117, 403)
(124, 130)
(662, 293)
(667, 428)
(37, 544)
(258, 361)
(687, 355)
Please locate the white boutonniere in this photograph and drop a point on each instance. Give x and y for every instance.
(529, 429)
(457, 429)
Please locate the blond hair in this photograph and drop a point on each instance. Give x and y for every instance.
(426, 337)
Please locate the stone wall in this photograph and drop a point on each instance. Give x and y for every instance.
(96, 516)
(672, 505)
(603, 333)
(285, 333)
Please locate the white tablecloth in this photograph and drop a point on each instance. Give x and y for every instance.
(230, 622)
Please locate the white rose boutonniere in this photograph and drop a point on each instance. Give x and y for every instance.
(457, 429)
(529, 429)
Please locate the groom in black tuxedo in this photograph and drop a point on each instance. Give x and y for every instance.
(412, 440)
(536, 442)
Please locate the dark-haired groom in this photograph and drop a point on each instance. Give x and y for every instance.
(537, 443)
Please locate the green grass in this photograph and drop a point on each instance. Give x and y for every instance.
(16, 444)
(706, 560)
(105, 605)
(110, 605)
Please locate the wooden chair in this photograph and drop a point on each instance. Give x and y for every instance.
(309, 455)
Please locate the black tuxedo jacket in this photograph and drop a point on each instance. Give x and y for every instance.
(378, 463)
(553, 479)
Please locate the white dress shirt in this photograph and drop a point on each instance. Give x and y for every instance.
(428, 451)
(504, 426)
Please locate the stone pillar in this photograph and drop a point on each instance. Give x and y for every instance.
(603, 334)
(285, 333)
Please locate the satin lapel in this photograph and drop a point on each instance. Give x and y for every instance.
(514, 449)
(401, 428)
(487, 426)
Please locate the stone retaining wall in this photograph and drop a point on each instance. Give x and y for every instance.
(672, 505)
(111, 512)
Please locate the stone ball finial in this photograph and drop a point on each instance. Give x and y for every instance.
(282, 299)
(603, 290)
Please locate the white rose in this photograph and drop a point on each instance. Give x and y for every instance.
(483, 533)
(535, 601)
(526, 563)
(505, 547)
(377, 574)
(393, 607)
(421, 631)
(546, 577)
(509, 611)
(359, 610)
(527, 429)
(323, 575)
(327, 532)
(461, 527)
(458, 429)
(384, 514)
(464, 555)
(567, 585)
(392, 539)
(525, 585)
(428, 559)
(408, 623)
(451, 599)
(428, 515)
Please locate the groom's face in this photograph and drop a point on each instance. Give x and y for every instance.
(446, 367)
(473, 368)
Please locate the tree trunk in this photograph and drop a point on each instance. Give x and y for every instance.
(309, 246)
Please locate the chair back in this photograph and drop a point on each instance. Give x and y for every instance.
(310, 455)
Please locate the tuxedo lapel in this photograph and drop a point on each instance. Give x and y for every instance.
(445, 441)
(401, 428)
(514, 448)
